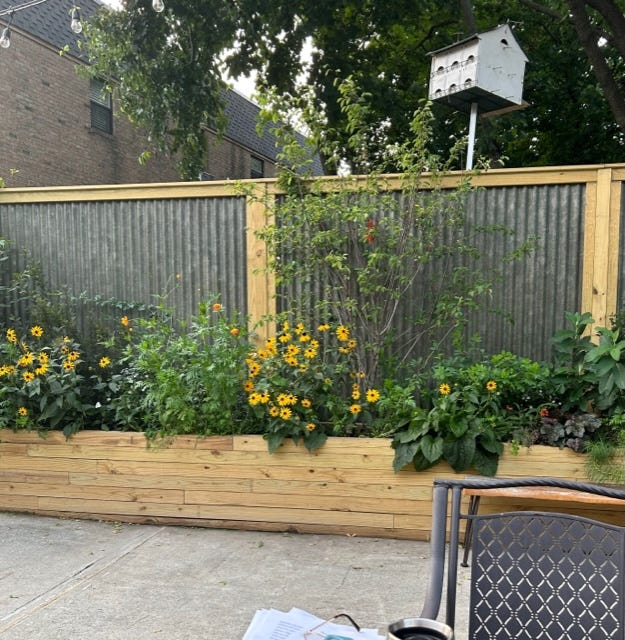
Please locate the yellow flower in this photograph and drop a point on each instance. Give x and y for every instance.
(36, 331)
(264, 397)
(355, 409)
(285, 413)
(274, 412)
(444, 389)
(292, 399)
(41, 370)
(234, 332)
(217, 307)
(12, 336)
(356, 394)
(344, 350)
(373, 395)
(43, 358)
(104, 362)
(125, 322)
(306, 403)
(303, 368)
(22, 411)
(299, 329)
(310, 353)
(285, 326)
(311, 427)
(323, 327)
(291, 361)
(491, 385)
(283, 399)
(26, 359)
(352, 344)
(253, 368)
(28, 376)
(254, 398)
(285, 337)
(342, 333)
(248, 386)
(305, 337)
(73, 356)
(292, 350)
(68, 365)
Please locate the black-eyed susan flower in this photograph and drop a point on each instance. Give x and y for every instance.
(491, 386)
(248, 386)
(41, 370)
(104, 362)
(125, 321)
(285, 413)
(26, 360)
(444, 389)
(323, 327)
(306, 403)
(36, 331)
(274, 412)
(28, 376)
(68, 365)
(355, 409)
(254, 398)
(311, 426)
(12, 336)
(372, 395)
(22, 411)
(342, 333)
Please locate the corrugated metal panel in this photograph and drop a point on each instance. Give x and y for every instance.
(536, 290)
(183, 250)
(528, 302)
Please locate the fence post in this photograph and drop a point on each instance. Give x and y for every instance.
(261, 285)
(601, 247)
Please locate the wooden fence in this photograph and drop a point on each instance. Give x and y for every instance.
(131, 241)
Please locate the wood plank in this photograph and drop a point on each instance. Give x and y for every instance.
(382, 491)
(39, 464)
(157, 481)
(294, 501)
(44, 477)
(174, 496)
(74, 505)
(284, 472)
(357, 446)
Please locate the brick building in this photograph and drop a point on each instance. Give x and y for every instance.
(60, 128)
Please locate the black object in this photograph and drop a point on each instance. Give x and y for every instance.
(534, 575)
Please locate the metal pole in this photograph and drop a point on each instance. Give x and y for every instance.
(472, 126)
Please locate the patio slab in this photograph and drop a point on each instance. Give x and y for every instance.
(82, 579)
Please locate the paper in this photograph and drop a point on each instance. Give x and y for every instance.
(272, 624)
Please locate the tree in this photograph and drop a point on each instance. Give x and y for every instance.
(169, 65)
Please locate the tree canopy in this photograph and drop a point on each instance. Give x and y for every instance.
(167, 68)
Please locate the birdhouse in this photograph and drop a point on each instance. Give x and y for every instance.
(486, 69)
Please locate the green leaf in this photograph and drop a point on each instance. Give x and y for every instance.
(432, 448)
(459, 453)
(274, 440)
(404, 454)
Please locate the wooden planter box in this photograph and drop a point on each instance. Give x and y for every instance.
(347, 487)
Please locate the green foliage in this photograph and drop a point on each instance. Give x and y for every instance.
(354, 251)
(474, 408)
(303, 385)
(166, 71)
(587, 374)
(178, 379)
(41, 384)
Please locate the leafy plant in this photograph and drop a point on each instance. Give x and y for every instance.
(178, 379)
(474, 408)
(40, 383)
(589, 375)
(302, 384)
(355, 251)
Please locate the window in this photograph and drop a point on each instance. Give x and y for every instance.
(101, 106)
(257, 168)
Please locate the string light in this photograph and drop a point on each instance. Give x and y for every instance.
(5, 37)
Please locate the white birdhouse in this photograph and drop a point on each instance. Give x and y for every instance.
(486, 69)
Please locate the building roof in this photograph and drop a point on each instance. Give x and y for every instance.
(50, 22)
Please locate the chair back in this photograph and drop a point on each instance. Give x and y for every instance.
(534, 575)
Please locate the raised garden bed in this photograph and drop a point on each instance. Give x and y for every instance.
(346, 487)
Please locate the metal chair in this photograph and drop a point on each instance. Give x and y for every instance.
(534, 575)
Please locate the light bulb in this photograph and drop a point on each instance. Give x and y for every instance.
(5, 38)
(76, 24)
(158, 5)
